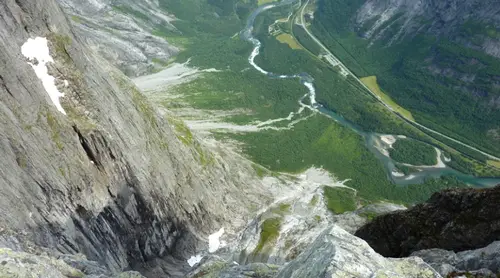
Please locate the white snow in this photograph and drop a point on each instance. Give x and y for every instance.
(38, 49)
(194, 260)
(214, 241)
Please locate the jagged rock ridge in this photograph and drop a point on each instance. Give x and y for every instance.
(453, 219)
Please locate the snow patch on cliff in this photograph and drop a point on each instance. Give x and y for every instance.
(214, 241)
(194, 260)
(37, 51)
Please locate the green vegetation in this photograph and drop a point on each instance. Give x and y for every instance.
(59, 43)
(259, 170)
(62, 172)
(339, 199)
(160, 62)
(304, 39)
(289, 40)
(77, 19)
(262, 2)
(314, 201)
(22, 160)
(413, 152)
(185, 135)
(143, 106)
(183, 132)
(285, 207)
(323, 143)
(494, 163)
(125, 9)
(406, 169)
(263, 97)
(410, 71)
(205, 30)
(371, 83)
(369, 215)
(344, 96)
(55, 129)
(282, 209)
(269, 233)
(209, 35)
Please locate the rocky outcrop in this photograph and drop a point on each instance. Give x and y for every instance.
(122, 32)
(484, 261)
(334, 253)
(111, 179)
(454, 219)
(380, 17)
(219, 268)
(21, 264)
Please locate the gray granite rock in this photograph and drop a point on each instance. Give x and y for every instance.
(20, 264)
(337, 253)
(122, 31)
(110, 179)
(482, 259)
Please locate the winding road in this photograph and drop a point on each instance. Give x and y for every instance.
(342, 66)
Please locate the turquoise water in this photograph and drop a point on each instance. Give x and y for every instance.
(372, 140)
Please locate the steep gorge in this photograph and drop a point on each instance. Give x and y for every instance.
(130, 189)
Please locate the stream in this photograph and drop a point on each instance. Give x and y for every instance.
(372, 140)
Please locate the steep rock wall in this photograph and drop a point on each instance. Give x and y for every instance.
(122, 32)
(111, 179)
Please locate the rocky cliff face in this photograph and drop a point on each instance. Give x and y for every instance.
(122, 32)
(103, 183)
(470, 24)
(110, 179)
(21, 264)
(454, 220)
(440, 18)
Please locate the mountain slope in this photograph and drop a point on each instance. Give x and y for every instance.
(122, 32)
(111, 179)
(438, 59)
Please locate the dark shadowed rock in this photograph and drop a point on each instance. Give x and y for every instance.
(454, 219)
(484, 261)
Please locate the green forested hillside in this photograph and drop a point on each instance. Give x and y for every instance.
(317, 140)
(413, 152)
(428, 75)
